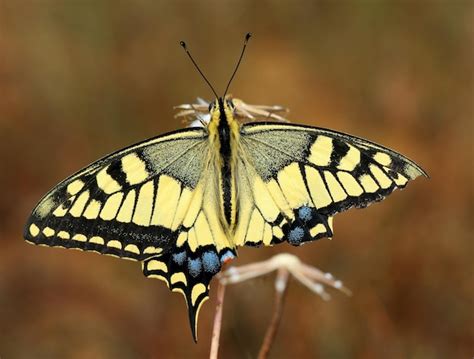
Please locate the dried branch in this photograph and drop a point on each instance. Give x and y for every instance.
(216, 329)
(281, 285)
(285, 264)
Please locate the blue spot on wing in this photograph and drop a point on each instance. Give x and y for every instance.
(305, 213)
(227, 256)
(211, 262)
(194, 266)
(296, 235)
(180, 257)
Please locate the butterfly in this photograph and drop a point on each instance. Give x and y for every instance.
(183, 202)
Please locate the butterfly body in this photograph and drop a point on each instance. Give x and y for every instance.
(224, 133)
(182, 203)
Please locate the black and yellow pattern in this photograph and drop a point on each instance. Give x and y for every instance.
(181, 203)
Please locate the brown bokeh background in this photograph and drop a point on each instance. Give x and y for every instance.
(79, 79)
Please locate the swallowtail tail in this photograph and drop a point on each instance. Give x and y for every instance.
(181, 203)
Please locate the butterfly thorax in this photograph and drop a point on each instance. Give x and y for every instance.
(223, 132)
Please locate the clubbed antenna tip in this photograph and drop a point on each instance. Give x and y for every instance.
(247, 37)
(183, 45)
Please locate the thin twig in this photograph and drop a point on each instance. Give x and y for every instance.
(285, 264)
(216, 329)
(281, 285)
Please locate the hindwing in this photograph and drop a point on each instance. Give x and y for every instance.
(295, 178)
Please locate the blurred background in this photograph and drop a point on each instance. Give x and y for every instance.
(80, 79)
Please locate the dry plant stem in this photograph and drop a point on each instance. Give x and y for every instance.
(216, 329)
(281, 285)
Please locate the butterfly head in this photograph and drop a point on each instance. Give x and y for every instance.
(221, 104)
(222, 111)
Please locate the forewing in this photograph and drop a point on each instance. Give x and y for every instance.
(297, 177)
(115, 205)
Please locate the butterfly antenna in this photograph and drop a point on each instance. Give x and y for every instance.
(247, 37)
(183, 44)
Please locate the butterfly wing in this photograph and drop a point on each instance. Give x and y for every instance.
(296, 178)
(148, 203)
(199, 249)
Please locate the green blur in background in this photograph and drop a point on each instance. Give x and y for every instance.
(80, 79)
